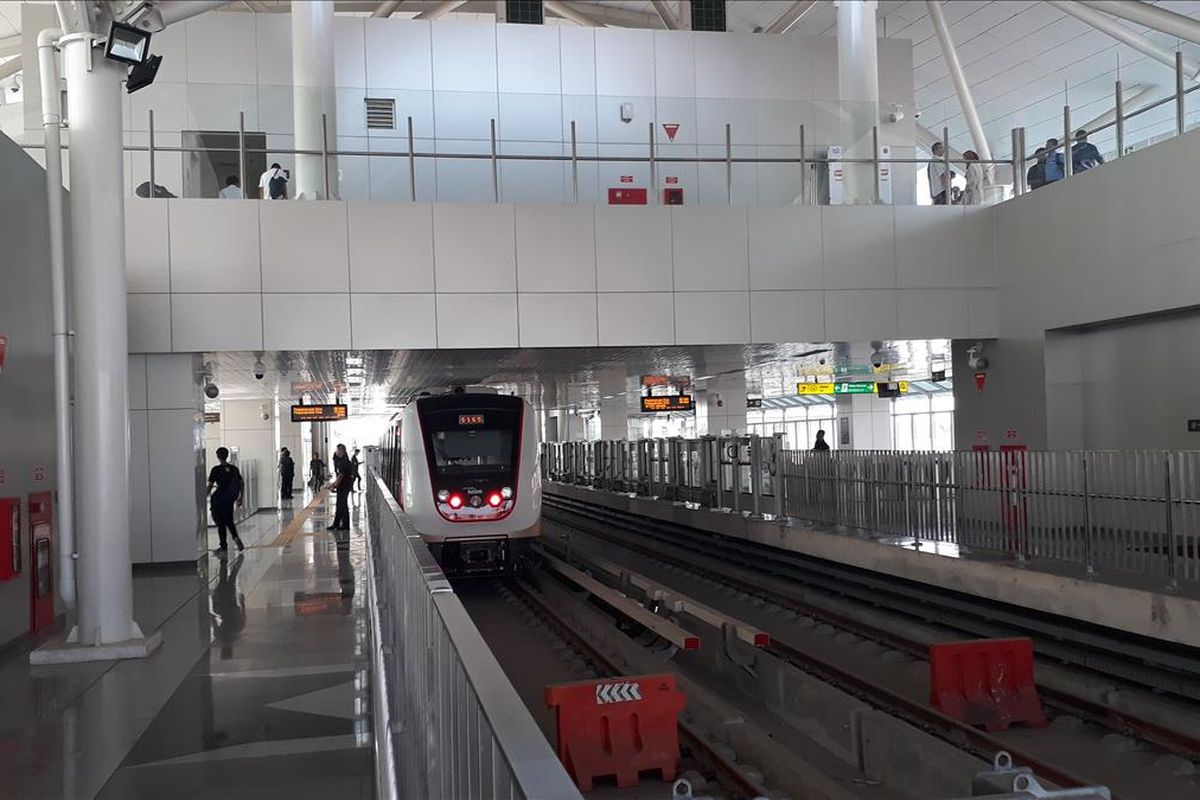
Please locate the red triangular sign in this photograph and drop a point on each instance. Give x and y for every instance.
(980, 380)
(671, 129)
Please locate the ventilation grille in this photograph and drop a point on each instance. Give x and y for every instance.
(708, 15)
(381, 113)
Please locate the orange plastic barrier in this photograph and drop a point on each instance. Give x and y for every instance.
(986, 682)
(617, 726)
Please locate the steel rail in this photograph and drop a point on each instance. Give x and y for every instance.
(1174, 741)
(727, 771)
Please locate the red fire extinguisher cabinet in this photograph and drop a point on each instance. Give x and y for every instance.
(10, 538)
(41, 543)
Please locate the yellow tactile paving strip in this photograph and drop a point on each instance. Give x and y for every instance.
(295, 527)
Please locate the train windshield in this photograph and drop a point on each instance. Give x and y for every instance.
(473, 450)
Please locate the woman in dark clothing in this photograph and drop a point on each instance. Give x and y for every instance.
(287, 473)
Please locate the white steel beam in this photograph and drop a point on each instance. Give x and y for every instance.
(440, 10)
(1108, 25)
(10, 67)
(10, 45)
(1133, 98)
(385, 9)
(665, 14)
(965, 99)
(1157, 18)
(788, 19)
(568, 12)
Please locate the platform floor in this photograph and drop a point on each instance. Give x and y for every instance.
(259, 690)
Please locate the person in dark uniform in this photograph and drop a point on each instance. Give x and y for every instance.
(316, 472)
(820, 445)
(343, 483)
(356, 463)
(224, 491)
(287, 473)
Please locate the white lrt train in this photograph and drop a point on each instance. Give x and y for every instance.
(464, 467)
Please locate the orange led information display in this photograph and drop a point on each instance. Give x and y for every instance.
(671, 402)
(325, 413)
(470, 419)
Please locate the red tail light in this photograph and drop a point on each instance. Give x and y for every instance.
(494, 499)
(456, 501)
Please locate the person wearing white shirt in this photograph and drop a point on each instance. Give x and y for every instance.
(275, 173)
(973, 192)
(232, 190)
(939, 180)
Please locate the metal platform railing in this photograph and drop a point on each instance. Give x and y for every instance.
(447, 721)
(1136, 512)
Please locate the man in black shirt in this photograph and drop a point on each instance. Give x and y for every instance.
(287, 473)
(343, 484)
(821, 445)
(225, 490)
(356, 463)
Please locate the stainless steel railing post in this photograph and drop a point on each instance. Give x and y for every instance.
(495, 166)
(574, 165)
(653, 170)
(1120, 120)
(412, 164)
(325, 155)
(242, 150)
(1016, 161)
(803, 171)
(875, 163)
(1172, 547)
(150, 131)
(728, 164)
(1066, 142)
(1179, 95)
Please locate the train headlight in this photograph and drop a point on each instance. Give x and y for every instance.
(506, 492)
(443, 496)
(494, 499)
(456, 501)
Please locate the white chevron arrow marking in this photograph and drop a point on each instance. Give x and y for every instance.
(617, 693)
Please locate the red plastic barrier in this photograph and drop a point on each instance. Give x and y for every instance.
(617, 726)
(986, 682)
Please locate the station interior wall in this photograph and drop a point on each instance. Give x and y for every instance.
(257, 439)
(452, 78)
(166, 458)
(27, 461)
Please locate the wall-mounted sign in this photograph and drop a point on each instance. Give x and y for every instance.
(938, 375)
(850, 387)
(1193, 426)
(666, 402)
(212, 416)
(890, 389)
(753, 402)
(805, 389)
(322, 413)
(682, 382)
(670, 129)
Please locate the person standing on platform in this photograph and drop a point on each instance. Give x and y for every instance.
(939, 176)
(1035, 178)
(272, 184)
(224, 491)
(1084, 154)
(973, 192)
(820, 445)
(355, 463)
(232, 190)
(343, 482)
(1053, 168)
(287, 473)
(316, 472)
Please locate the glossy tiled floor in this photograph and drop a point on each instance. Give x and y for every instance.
(259, 690)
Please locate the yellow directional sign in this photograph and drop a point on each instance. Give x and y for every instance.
(814, 388)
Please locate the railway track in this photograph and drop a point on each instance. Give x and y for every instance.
(764, 574)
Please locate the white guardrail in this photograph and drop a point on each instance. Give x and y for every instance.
(448, 723)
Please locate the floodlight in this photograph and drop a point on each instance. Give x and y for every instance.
(127, 44)
(142, 75)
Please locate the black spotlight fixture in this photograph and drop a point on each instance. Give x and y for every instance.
(131, 46)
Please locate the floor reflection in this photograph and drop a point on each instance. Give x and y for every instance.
(227, 610)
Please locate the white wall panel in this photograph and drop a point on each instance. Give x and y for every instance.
(637, 318)
(140, 534)
(214, 246)
(860, 247)
(982, 316)
(787, 316)
(221, 48)
(477, 320)
(854, 316)
(556, 248)
(633, 249)
(349, 51)
(578, 58)
(170, 382)
(782, 68)
(304, 247)
(147, 252)
(624, 62)
(149, 326)
(712, 317)
(202, 322)
(464, 115)
(273, 41)
(393, 321)
(306, 321)
(170, 104)
(172, 478)
(464, 57)
(391, 247)
(723, 68)
(824, 66)
(136, 377)
(933, 313)
(932, 248)
(557, 319)
(530, 117)
(475, 248)
(527, 59)
(979, 235)
(710, 248)
(674, 65)
(216, 106)
(785, 247)
(399, 54)
(171, 43)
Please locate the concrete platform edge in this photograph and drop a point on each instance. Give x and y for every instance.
(1158, 615)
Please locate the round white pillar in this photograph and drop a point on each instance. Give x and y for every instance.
(314, 95)
(858, 81)
(101, 348)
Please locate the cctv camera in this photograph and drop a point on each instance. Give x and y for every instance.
(258, 374)
(877, 359)
(266, 416)
(821, 361)
(211, 391)
(259, 370)
(916, 115)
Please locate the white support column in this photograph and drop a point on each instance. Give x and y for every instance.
(1159, 18)
(105, 625)
(314, 95)
(858, 78)
(965, 99)
(1124, 35)
(721, 406)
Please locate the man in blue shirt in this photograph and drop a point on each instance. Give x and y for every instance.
(1084, 154)
(1053, 168)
